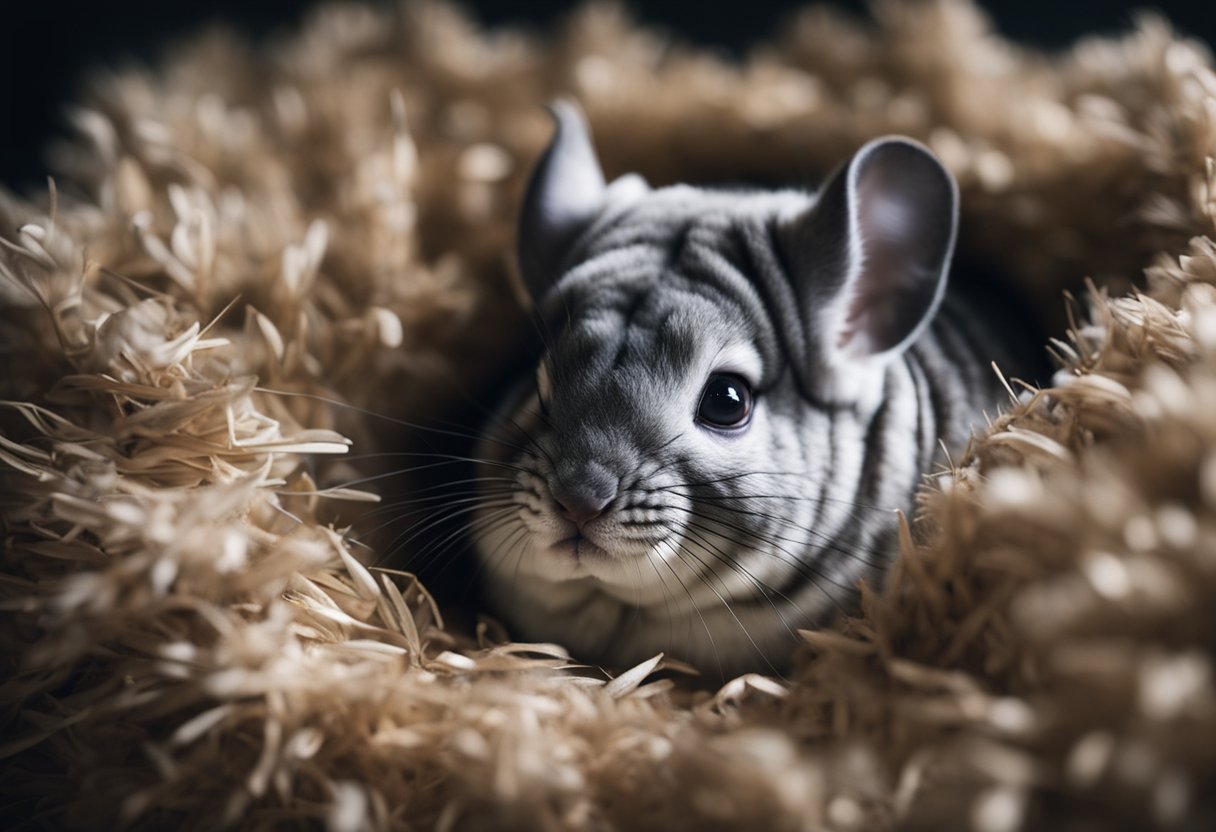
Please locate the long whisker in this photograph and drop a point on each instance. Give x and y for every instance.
(695, 606)
(706, 576)
(399, 512)
(827, 542)
(804, 569)
(518, 538)
(398, 472)
(854, 510)
(464, 538)
(775, 540)
(456, 430)
(744, 495)
(410, 534)
(460, 540)
(700, 539)
(490, 486)
(695, 533)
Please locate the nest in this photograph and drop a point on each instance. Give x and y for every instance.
(249, 258)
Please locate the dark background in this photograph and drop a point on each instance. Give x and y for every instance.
(46, 46)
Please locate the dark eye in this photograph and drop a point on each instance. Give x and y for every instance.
(726, 402)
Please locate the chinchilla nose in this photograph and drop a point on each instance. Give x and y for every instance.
(582, 492)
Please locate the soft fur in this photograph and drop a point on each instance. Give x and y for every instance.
(615, 519)
(188, 641)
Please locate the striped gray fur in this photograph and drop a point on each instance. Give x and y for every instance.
(711, 545)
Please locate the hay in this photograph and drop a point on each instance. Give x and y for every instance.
(190, 639)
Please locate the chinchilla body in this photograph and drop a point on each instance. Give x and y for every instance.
(738, 391)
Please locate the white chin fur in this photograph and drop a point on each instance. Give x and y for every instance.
(638, 577)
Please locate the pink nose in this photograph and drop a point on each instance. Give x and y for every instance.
(584, 494)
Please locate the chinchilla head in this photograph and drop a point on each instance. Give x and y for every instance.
(693, 467)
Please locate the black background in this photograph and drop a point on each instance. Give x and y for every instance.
(46, 47)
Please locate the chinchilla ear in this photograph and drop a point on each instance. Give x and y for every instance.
(869, 259)
(566, 192)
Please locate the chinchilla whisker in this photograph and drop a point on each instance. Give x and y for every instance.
(711, 549)
(705, 576)
(408, 508)
(810, 574)
(665, 445)
(454, 458)
(751, 512)
(443, 487)
(636, 613)
(694, 605)
(776, 540)
(444, 459)
(504, 547)
(668, 598)
(342, 486)
(509, 423)
(435, 548)
(764, 537)
(781, 554)
(455, 430)
(766, 592)
(432, 521)
(801, 568)
(742, 475)
(859, 555)
(807, 568)
(743, 495)
(674, 489)
(491, 487)
(411, 532)
(518, 539)
(781, 521)
(389, 551)
(700, 483)
(436, 558)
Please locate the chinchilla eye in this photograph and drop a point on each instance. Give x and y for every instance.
(726, 401)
